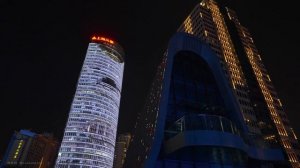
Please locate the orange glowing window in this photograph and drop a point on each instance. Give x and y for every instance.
(98, 38)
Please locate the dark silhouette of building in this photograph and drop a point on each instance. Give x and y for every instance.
(30, 150)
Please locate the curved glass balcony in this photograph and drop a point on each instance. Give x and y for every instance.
(201, 122)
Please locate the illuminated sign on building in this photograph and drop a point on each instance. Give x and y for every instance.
(99, 38)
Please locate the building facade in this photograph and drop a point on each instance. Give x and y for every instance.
(272, 119)
(212, 102)
(30, 150)
(90, 133)
(268, 125)
(122, 145)
(192, 117)
(207, 23)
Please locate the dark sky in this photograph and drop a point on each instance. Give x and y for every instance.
(43, 44)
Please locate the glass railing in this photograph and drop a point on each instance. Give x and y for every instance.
(201, 122)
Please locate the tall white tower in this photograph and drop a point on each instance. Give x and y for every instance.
(90, 133)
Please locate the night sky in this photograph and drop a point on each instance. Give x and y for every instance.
(43, 45)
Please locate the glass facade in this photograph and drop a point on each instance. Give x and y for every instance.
(192, 117)
(212, 102)
(196, 104)
(273, 122)
(210, 26)
(267, 122)
(90, 133)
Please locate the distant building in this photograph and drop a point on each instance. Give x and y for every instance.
(90, 133)
(28, 149)
(122, 144)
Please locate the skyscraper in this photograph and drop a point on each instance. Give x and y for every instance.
(28, 149)
(262, 110)
(90, 133)
(211, 89)
(122, 145)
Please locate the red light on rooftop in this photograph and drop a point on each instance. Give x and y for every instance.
(99, 38)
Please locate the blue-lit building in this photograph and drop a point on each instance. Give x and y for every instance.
(212, 102)
(192, 118)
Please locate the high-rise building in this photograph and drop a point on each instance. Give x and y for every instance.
(212, 102)
(28, 149)
(122, 144)
(271, 117)
(90, 133)
(262, 110)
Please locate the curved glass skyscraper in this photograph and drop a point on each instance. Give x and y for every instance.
(212, 103)
(90, 133)
(192, 119)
